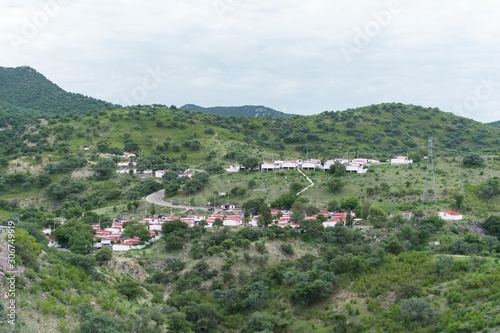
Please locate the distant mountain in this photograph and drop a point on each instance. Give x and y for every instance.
(251, 111)
(495, 123)
(25, 91)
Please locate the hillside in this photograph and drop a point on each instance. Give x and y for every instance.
(28, 92)
(388, 275)
(495, 123)
(251, 111)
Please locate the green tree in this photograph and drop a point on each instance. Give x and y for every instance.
(265, 217)
(218, 222)
(104, 254)
(472, 160)
(104, 168)
(173, 227)
(130, 288)
(136, 229)
(335, 185)
(260, 322)
(349, 204)
(337, 169)
(418, 310)
(377, 217)
(492, 225)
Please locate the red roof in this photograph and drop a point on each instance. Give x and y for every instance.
(451, 212)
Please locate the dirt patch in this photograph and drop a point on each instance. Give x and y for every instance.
(83, 173)
(18, 165)
(126, 266)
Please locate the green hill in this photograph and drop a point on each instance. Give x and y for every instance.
(251, 111)
(495, 123)
(28, 92)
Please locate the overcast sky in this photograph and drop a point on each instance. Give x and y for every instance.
(301, 57)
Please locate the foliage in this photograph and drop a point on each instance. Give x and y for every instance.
(472, 160)
(492, 225)
(130, 288)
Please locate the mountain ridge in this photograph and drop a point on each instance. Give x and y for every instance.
(27, 91)
(252, 111)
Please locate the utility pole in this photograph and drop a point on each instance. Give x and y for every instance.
(430, 177)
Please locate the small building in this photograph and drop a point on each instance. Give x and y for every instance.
(267, 166)
(234, 168)
(401, 160)
(450, 215)
(160, 173)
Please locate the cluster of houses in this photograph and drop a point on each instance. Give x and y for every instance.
(357, 165)
(127, 165)
(112, 236)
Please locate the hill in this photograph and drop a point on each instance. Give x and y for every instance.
(25, 91)
(495, 123)
(251, 111)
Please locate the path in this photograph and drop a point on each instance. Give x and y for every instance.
(309, 179)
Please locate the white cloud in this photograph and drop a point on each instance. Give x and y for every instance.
(284, 54)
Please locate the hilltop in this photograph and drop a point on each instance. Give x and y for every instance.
(251, 111)
(27, 92)
(495, 123)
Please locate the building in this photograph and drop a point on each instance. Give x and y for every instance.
(401, 160)
(450, 215)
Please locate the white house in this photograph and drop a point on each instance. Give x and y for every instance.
(449, 215)
(267, 166)
(160, 173)
(290, 165)
(234, 168)
(401, 160)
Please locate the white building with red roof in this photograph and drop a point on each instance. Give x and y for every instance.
(450, 215)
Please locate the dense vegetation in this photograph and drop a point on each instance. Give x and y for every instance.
(495, 123)
(29, 92)
(251, 111)
(391, 275)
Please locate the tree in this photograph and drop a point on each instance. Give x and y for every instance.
(260, 322)
(178, 323)
(136, 229)
(337, 169)
(265, 217)
(349, 204)
(218, 222)
(335, 185)
(80, 243)
(416, 309)
(104, 168)
(472, 160)
(174, 243)
(377, 217)
(104, 255)
(72, 228)
(492, 225)
(285, 201)
(173, 226)
(130, 288)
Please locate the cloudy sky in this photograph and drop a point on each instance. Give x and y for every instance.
(302, 57)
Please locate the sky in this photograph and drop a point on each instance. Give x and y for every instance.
(300, 57)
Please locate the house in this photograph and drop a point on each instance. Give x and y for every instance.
(126, 154)
(407, 215)
(187, 173)
(160, 173)
(450, 215)
(401, 160)
(290, 165)
(311, 164)
(234, 168)
(228, 206)
(267, 166)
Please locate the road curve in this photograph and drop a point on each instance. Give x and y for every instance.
(157, 199)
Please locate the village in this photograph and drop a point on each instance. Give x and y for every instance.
(112, 236)
(128, 165)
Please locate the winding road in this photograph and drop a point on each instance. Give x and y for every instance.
(157, 199)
